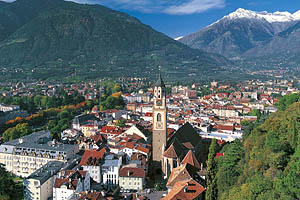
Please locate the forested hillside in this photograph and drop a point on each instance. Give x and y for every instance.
(266, 165)
(56, 38)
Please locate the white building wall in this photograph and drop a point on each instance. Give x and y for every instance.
(112, 176)
(62, 193)
(94, 172)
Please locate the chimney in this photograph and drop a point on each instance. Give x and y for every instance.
(128, 172)
(21, 141)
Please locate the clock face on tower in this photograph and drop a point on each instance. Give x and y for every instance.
(158, 102)
(159, 125)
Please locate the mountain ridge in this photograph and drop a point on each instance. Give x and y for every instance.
(77, 38)
(246, 34)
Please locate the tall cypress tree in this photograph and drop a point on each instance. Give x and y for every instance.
(294, 133)
(211, 189)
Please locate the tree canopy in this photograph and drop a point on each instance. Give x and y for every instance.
(266, 164)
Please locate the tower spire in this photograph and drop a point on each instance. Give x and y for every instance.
(160, 81)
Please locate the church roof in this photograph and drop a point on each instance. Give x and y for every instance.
(191, 159)
(160, 81)
(185, 134)
(181, 173)
(175, 150)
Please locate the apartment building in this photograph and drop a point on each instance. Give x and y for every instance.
(39, 185)
(69, 182)
(25, 155)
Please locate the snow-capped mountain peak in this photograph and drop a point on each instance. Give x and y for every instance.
(178, 38)
(270, 17)
(242, 13)
(297, 14)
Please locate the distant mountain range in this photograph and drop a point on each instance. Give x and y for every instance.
(56, 38)
(250, 35)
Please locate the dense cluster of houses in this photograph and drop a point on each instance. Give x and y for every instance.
(97, 156)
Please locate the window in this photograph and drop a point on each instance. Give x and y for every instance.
(174, 163)
(159, 117)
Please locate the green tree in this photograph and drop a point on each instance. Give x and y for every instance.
(44, 101)
(67, 99)
(64, 115)
(8, 188)
(55, 132)
(273, 142)
(37, 100)
(228, 168)
(117, 87)
(23, 129)
(31, 107)
(11, 134)
(289, 182)
(287, 100)
(157, 186)
(211, 191)
(121, 123)
(51, 124)
(63, 123)
(255, 112)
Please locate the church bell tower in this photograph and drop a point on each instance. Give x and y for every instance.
(159, 135)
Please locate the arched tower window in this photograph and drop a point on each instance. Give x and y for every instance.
(159, 117)
(159, 93)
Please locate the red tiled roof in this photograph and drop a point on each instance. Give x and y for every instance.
(187, 189)
(174, 151)
(191, 159)
(142, 149)
(97, 138)
(132, 172)
(65, 179)
(129, 145)
(111, 111)
(111, 130)
(91, 196)
(225, 127)
(92, 154)
(183, 172)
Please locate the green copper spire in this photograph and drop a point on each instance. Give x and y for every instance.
(159, 82)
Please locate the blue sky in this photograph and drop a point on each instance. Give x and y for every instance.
(181, 17)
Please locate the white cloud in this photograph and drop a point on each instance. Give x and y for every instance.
(172, 7)
(194, 6)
